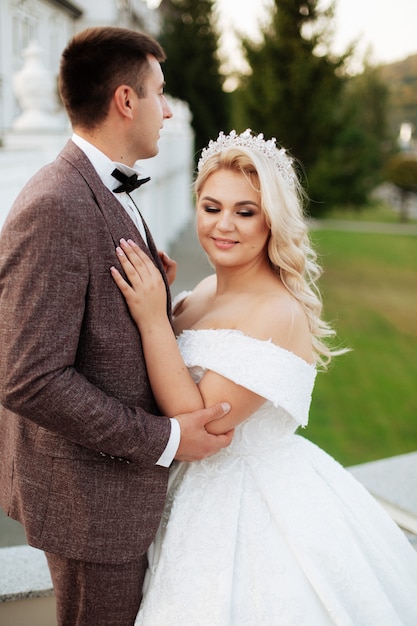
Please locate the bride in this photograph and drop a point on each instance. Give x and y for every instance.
(271, 531)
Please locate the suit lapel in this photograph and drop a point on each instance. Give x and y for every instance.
(119, 223)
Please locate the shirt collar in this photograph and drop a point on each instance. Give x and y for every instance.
(103, 165)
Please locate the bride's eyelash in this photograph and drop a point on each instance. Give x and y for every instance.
(246, 213)
(242, 212)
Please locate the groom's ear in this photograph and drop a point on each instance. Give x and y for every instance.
(122, 101)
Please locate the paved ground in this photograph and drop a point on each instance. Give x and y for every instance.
(11, 533)
(192, 262)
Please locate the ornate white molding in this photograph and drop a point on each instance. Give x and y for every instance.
(36, 91)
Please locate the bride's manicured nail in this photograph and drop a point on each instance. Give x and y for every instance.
(119, 251)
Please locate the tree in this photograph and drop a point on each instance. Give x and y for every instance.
(352, 164)
(401, 170)
(290, 91)
(298, 92)
(192, 69)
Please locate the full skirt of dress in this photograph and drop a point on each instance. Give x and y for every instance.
(272, 531)
(286, 540)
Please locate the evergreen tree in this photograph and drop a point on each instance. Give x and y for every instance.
(352, 164)
(192, 68)
(297, 91)
(291, 90)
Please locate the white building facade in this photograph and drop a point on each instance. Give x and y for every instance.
(34, 126)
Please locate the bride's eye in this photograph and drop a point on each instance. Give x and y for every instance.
(246, 213)
(210, 209)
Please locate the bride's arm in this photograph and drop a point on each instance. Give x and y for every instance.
(173, 388)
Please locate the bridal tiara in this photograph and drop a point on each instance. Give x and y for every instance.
(255, 142)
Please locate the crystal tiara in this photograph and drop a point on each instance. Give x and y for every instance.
(255, 142)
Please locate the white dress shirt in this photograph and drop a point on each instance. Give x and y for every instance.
(104, 167)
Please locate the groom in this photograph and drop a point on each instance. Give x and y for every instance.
(84, 455)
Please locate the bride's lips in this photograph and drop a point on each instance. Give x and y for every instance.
(224, 244)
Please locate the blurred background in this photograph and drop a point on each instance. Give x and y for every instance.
(336, 84)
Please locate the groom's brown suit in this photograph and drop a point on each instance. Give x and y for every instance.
(79, 439)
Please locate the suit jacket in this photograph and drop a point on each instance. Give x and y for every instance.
(79, 429)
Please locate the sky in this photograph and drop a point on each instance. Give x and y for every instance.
(387, 29)
(388, 26)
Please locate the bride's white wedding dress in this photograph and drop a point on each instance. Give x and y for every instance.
(272, 531)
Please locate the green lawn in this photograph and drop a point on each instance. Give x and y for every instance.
(365, 406)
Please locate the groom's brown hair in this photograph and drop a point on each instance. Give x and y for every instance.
(97, 61)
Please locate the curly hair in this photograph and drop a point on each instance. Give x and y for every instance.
(290, 251)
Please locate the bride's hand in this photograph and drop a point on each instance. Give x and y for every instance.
(170, 266)
(145, 293)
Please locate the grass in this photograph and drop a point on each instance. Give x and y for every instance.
(365, 406)
(376, 211)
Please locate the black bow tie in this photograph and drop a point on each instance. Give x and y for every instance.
(129, 183)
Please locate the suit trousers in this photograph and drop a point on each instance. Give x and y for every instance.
(96, 594)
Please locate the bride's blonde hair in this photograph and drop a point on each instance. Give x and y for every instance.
(290, 251)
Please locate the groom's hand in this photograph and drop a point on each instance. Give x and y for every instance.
(196, 443)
